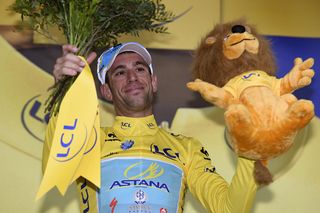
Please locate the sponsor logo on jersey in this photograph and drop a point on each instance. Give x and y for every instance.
(140, 197)
(139, 183)
(175, 135)
(85, 197)
(125, 125)
(113, 204)
(167, 152)
(144, 178)
(140, 203)
(249, 76)
(211, 169)
(205, 153)
(137, 208)
(163, 210)
(151, 125)
(127, 144)
(111, 137)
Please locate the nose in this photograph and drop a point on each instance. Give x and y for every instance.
(238, 29)
(131, 75)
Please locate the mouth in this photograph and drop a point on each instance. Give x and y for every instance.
(133, 89)
(245, 39)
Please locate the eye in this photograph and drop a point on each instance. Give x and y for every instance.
(141, 68)
(119, 73)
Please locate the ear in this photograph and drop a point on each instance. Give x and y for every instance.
(210, 40)
(154, 83)
(106, 92)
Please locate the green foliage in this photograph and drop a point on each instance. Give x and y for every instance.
(91, 24)
(96, 23)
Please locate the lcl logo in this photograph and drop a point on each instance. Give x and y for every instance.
(66, 143)
(125, 125)
(33, 118)
(71, 144)
(167, 152)
(34, 121)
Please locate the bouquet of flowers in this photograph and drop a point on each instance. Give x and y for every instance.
(91, 24)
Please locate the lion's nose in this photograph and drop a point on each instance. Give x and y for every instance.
(238, 29)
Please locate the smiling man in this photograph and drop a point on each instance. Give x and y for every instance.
(130, 84)
(145, 168)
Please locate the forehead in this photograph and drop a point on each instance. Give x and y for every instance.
(127, 58)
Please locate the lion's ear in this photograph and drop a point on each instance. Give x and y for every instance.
(210, 40)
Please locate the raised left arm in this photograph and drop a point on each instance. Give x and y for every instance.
(299, 76)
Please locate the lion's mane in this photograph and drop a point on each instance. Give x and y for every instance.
(212, 66)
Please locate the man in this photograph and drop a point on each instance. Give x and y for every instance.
(145, 168)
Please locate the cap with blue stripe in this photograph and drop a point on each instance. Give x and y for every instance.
(107, 58)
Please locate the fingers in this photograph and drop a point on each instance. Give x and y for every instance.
(68, 48)
(305, 81)
(308, 73)
(297, 61)
(306, 77)
(69, 65)
(304, 64)
(193, 86)
(91, 57)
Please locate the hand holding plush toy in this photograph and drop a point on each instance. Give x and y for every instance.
(237, 70)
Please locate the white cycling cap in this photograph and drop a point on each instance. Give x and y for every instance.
(107, 58)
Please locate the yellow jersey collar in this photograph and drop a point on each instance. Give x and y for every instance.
(129, 126)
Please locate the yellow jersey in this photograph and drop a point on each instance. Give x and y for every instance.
(239, 83)
(146, 169)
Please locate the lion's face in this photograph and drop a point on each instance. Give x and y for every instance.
(229, 50)
(240, 40)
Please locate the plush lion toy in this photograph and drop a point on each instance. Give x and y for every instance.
(236, 68)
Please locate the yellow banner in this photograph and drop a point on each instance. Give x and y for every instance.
(75, 140)
(89, 167)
